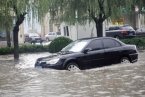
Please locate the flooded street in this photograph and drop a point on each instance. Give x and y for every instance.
(21, 79)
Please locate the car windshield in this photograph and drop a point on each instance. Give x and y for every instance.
(76, 46)
(127, 28)
(51, 33)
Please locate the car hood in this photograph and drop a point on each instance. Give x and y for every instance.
(56, 55)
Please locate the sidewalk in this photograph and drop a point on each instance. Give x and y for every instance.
(4, 43)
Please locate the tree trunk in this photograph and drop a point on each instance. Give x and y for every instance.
(19, 21)
(16, 42)
(99, 28)
(8, 37)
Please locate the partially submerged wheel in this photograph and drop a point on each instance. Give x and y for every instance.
(124, 60)
(72, 66)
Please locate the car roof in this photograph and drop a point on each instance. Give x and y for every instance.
(92, 38)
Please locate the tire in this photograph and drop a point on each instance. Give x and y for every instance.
(72, 66)
(124, 60)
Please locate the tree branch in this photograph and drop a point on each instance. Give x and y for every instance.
(15, 10)
(108, 14)
(101, 7)
(92, 15)
(21, 18)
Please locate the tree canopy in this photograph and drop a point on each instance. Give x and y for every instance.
(72, 11)
(65, 10)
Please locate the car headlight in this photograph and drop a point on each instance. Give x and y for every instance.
(53, 61)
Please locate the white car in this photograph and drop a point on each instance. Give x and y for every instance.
(33, 38)
(52, 35)
(140, 31)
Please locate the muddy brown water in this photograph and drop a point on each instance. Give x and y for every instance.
(21, 79)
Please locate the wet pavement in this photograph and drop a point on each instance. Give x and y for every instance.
(21, 79)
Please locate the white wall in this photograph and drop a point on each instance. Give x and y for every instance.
(84, 31)
(21, 34)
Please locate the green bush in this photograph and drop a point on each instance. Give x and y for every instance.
(6, 50)
(138, 41)
(24, 49)
(33, 48)
(57, 44)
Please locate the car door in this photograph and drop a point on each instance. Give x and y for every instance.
(113, 50)
(94, 57)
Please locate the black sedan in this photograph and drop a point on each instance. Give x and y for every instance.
(90, 53)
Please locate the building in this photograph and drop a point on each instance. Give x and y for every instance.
(78, 31)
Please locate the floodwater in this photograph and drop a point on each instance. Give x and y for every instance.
(21, 79)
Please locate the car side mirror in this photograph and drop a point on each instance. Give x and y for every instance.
(87, 50)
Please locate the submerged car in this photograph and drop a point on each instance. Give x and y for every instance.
(90, 53)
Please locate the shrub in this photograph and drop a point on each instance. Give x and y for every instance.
(6, 50)
(57, 44)
(33, 48)
(138, 41)
(24, 49)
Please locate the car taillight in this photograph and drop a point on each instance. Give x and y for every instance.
(124, 32)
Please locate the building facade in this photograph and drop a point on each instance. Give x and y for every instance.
(78, 31)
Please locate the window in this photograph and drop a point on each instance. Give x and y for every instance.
(76, 46)
(50, 33)
(114, 28)
(58, 33)
(110, 43)
(66, 31)
(127, 28)
(95, 45)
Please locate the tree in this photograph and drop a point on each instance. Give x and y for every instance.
(19, 9)
(96, 10)
(5, 21)
(136, 8)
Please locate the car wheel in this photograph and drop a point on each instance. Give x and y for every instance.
(124, 60)
(72, 66)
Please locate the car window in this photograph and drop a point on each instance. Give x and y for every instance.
(58, 33)
(110, 43)
(95, 45)
(127, 28)
(33, 35)
(53, 33)
(114, 28)
(49, 33)
(76, 46)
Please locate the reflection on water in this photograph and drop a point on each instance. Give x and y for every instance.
(21, 79)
